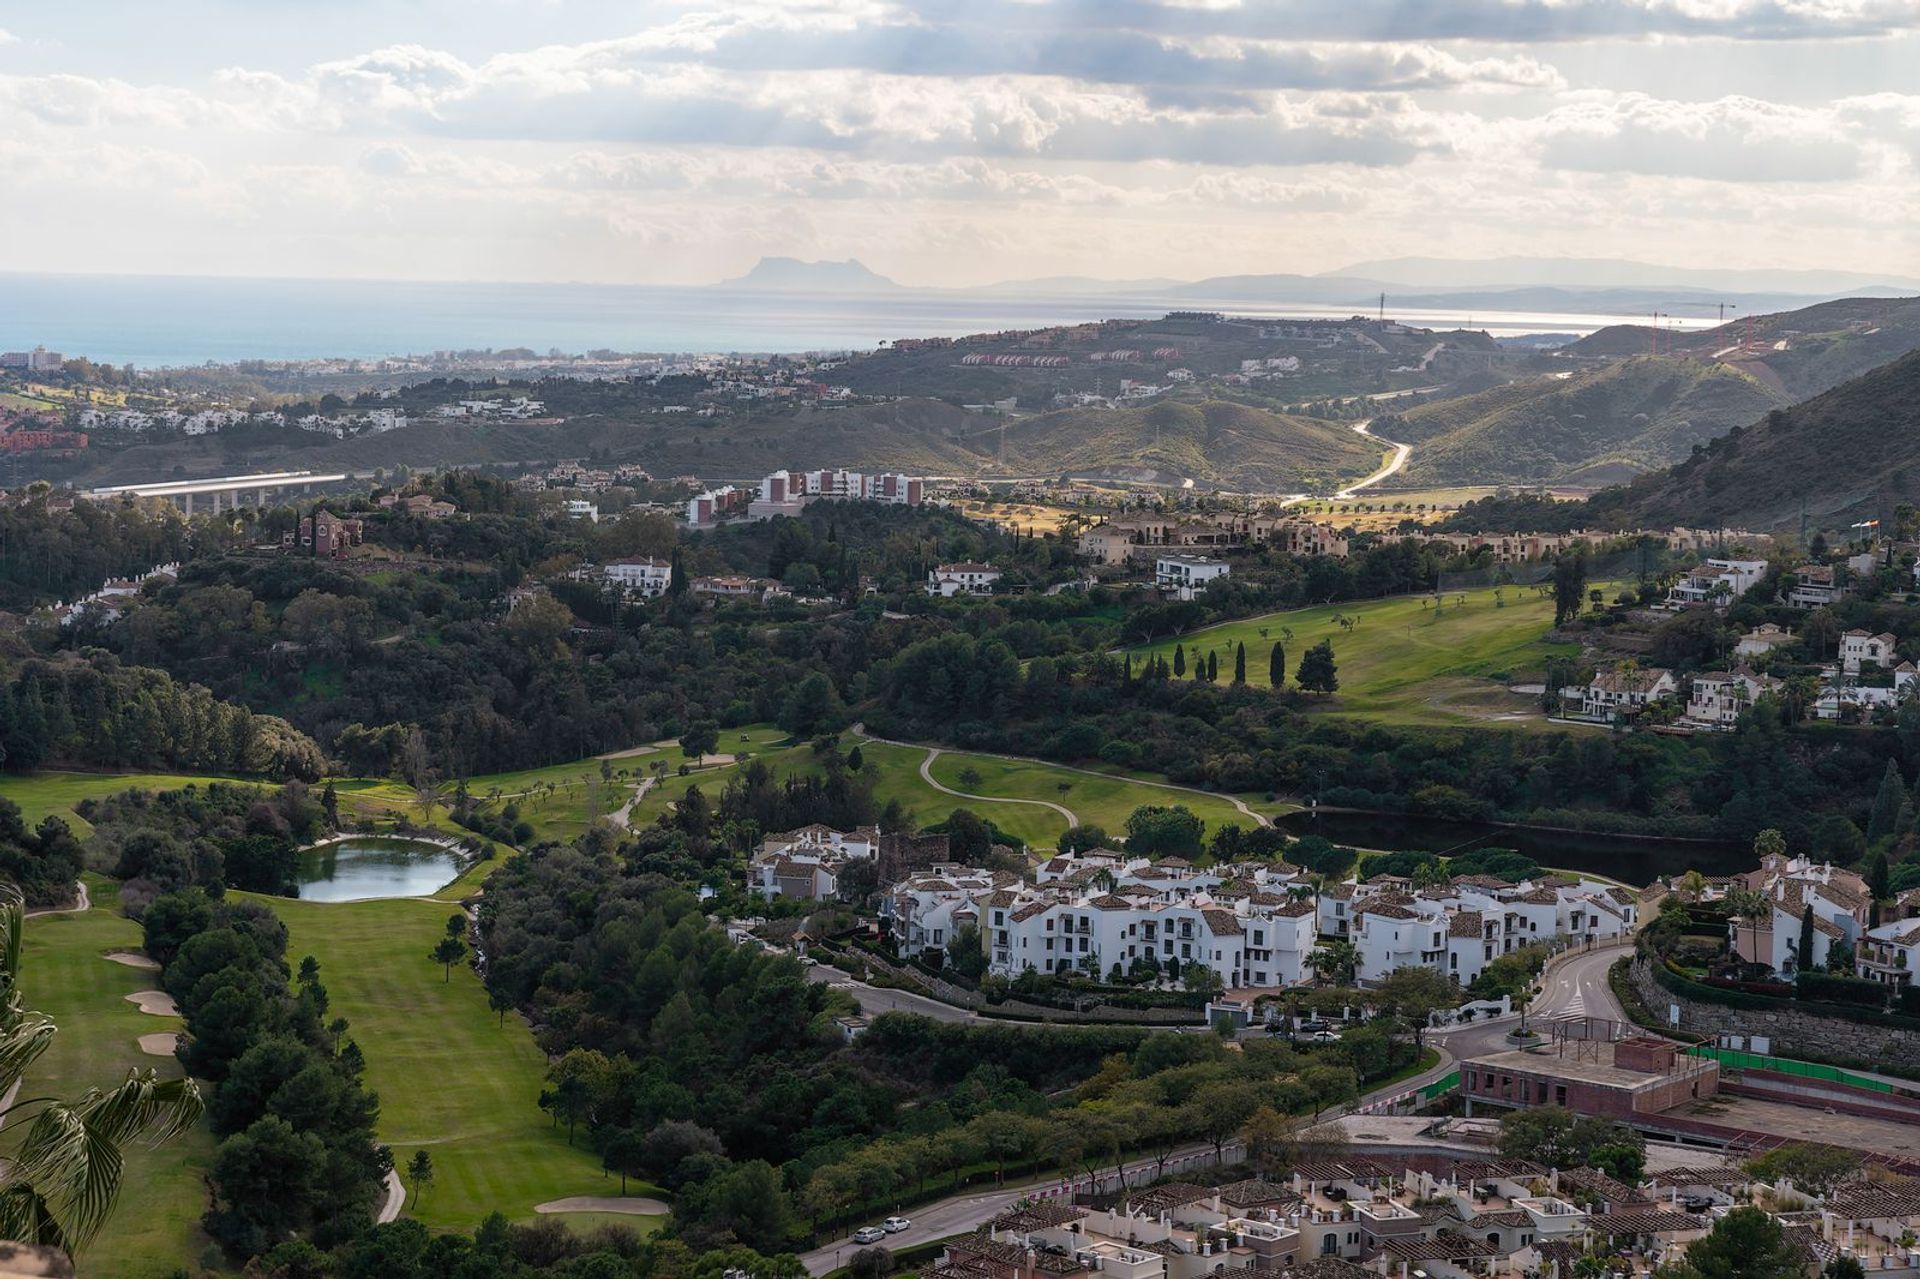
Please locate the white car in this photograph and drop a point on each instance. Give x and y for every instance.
(894, 1225)
(869, 1234)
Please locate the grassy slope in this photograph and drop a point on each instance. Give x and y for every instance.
(1104, 801)
(1215, 441)
(156, 1227)
(1403, 663)
(450, 1077)
(1637, 414)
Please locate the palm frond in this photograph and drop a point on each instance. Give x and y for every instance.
(20, 1044)
(25, 1217)
(71, 1156)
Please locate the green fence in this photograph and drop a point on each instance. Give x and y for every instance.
(1441, 1086)
(1787, 1066)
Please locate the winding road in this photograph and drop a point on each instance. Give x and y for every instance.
(1393, 465)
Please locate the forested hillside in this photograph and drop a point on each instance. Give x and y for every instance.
(1843, 455)
(1584, 427)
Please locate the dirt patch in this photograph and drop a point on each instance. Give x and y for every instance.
(631, 751)
(604, 1203)
(160, 1044)
(132, 960)
(157, 1002)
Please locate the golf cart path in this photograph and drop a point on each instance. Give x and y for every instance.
(926, 775)
(933, 751)
(81, 901)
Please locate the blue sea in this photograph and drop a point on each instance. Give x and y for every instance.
(153, 321)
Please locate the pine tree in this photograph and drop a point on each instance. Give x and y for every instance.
(1240, 664)
(1179, 659)
(1317, 673)
(1277, 666)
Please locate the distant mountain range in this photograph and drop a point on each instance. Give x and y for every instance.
(1569, 285)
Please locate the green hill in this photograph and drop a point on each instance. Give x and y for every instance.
(1588, 426)
(1212, 442)
(1802, 352)
(1841, 456)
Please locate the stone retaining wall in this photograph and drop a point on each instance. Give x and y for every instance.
(1792, 1032)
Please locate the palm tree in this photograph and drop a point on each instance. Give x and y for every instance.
(1336, 959)
(1749, 905)
(60, 1186)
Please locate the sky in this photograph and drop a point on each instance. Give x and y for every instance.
(951, 142)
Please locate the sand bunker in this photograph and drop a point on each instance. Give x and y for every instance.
(604, 1203)
(157, 1002)
(160, 1044)
(133, 960)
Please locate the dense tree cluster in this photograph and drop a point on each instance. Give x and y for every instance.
(217, 836)
(93, 711)
(297, 1155)
(47, 556)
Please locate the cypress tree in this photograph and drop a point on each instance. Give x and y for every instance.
(1806, 938)
(1277, 666)
(1126, 674)
(1179, 659)
(1880, 878)
(1213, 667)
(1885, 821)
(1240, 664)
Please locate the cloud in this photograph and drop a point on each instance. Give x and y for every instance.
(1734, 139)
(1502, 21)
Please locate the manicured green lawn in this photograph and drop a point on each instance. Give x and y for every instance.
(42, 794)
(451, 1078)
(1105, 801)
(561, 801)
(156, 1226)
(1403, 662)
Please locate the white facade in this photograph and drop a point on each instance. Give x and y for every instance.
(642, 576)
(948, 580)
(1860, 649)
(1717, 700)
(1716, 583)
(1186, 576)
(806, 863)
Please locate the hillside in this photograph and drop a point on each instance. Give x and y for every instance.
(1211, 442)
(1803, 352)
(1229, 445)
(1588, 427)
(1844, 455)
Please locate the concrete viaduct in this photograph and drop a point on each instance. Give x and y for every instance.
(234, 487)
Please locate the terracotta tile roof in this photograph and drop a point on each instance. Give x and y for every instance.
(1223, 923)
(1256, 1193)
(1647, 1222)
(1037, 1216)
(1464, 923)
(1596, 1182)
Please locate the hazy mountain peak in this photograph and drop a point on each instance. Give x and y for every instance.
(850, 276)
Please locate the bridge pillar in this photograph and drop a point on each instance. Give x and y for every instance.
(186, 501)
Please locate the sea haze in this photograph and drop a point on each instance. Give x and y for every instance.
(179, 320)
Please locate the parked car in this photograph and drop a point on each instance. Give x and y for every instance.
(1326, 1036)
(808, 961)
(869, 1234)
(1314, 1024)
(894, 1225)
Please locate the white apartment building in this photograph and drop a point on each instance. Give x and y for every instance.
(1187, 576)
(641, 575)
(1459, 928)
